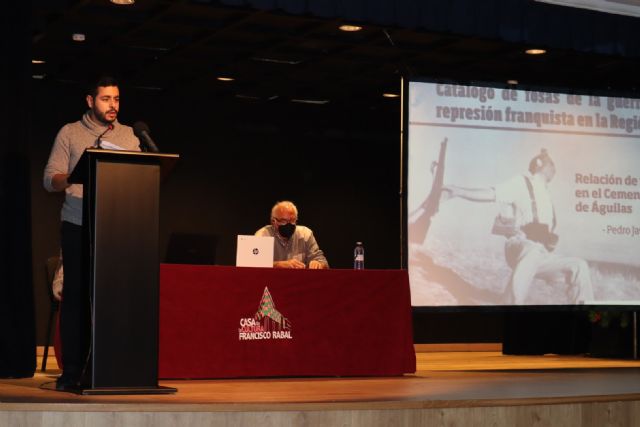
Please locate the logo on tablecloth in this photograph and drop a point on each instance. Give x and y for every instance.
(267, 324)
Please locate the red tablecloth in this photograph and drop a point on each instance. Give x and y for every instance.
(221, 322)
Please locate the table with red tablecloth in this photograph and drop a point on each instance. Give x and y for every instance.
(226, 322)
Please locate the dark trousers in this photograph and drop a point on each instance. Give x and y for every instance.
(75, 316)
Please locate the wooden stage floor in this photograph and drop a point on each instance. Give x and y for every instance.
(443, 380)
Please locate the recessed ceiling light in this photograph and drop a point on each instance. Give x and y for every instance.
(38, 61)
(78, 37)
(123, 1)
(535, 51)
(350, 28)
(225, 79)
(390, 95)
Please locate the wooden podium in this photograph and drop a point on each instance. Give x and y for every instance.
(121, 220)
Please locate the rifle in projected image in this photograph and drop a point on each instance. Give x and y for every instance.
(420, 219)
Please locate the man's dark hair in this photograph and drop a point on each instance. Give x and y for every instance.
(102, 81)
(539, 161)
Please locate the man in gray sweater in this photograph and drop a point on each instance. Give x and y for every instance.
(98, 127)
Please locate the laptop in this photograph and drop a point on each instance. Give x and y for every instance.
(254, 251)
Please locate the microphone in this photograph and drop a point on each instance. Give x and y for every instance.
(141, 130)
(99, 140)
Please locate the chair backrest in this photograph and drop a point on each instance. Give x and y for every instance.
(51, 266)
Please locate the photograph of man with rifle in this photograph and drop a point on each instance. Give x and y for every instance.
(529, 230)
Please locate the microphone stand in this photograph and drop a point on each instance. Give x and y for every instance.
(99, 140)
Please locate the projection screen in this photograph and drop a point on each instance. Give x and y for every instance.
(518, 197)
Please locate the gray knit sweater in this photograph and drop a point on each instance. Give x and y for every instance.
(69, 145)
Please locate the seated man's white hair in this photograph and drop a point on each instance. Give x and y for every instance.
(284, 204)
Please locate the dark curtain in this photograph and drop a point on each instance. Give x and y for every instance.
(516, 21)
(17, 326)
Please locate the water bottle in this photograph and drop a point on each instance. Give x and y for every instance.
(358, 257)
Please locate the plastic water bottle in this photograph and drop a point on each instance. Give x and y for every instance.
(358, 257)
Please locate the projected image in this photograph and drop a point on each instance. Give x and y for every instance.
(522, 198)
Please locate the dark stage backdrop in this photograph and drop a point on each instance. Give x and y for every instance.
(17, 331)
(238, 159)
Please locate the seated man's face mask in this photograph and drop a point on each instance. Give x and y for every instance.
(286, 230)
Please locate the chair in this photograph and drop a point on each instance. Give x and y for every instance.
(50, 268)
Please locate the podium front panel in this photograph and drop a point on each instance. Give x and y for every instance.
(124, 236)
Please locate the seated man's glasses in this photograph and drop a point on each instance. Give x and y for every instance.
(283, 221)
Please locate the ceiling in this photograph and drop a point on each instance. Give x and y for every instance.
(181, 46)
(622, 7)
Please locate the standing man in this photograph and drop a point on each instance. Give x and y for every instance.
(294, 245)
(531, 240)
(98, 126)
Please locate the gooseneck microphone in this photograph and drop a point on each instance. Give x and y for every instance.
(141, 130)
(99, 140)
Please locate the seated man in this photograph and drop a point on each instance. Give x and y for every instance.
(294, 245)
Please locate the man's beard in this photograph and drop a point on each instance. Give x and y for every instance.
(102, 117)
